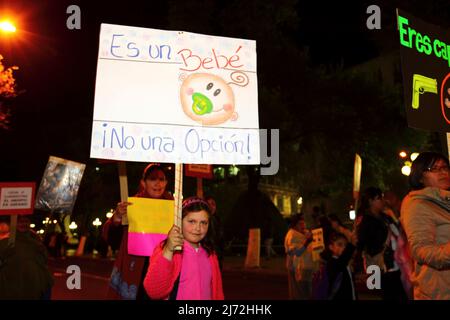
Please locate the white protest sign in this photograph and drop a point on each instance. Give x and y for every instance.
(318, 244)
(16, 198)
(177, 97)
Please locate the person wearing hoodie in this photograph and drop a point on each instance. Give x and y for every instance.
(425, 216)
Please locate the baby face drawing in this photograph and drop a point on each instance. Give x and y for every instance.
(207, 99)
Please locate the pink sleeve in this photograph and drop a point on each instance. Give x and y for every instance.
(217, 289)
(161, 275)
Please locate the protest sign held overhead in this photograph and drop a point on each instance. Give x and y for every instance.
(179, 97)
(318, 243)
(199, 171)
(425, 57)
(16, 197)
(59, 185)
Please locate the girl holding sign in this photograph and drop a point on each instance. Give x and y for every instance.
(190, 274)
(129, 270)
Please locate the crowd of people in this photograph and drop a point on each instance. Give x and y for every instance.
(409, 245)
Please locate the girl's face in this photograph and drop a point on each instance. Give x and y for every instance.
(195, 227)
(438, 176)
(337, 247)
(155, 184)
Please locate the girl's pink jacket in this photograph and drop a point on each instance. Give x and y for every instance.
(162, 274)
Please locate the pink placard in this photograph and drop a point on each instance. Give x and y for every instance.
(143, 244)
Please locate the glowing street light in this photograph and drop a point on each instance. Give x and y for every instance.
(406, 170)
(300, 200)
(7, 27)
(414, 155)
(109, 214)
(73, 225)
(32, 225)
(233, 170)
(97, 222)
(403, 154)
(352, 214)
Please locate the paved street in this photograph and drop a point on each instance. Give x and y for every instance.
(266, 283)
(269, 282)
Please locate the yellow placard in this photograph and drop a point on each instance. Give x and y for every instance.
(150, 215)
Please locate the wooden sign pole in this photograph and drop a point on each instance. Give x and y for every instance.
(12, 230)
(357, 183)
(123, 181)
(200, 187)
(178, 196)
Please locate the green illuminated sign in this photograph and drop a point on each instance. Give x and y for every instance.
(410, 38)
(425, 58)
(422, 84)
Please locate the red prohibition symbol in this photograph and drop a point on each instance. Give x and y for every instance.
(443, 92)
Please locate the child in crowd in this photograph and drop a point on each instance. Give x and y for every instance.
(336, 259)
(192, 273)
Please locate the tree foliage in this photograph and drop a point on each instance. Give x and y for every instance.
(7, 91)
(325, 113)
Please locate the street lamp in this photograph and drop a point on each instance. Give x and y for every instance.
(403, 154)
(406, 170)
(73, 225)
(109, 214)
(233, 170)
(352, 214)
(7, 26)
(414, 155)
(97, 222)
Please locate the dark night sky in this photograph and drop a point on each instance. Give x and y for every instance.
(57, 66)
